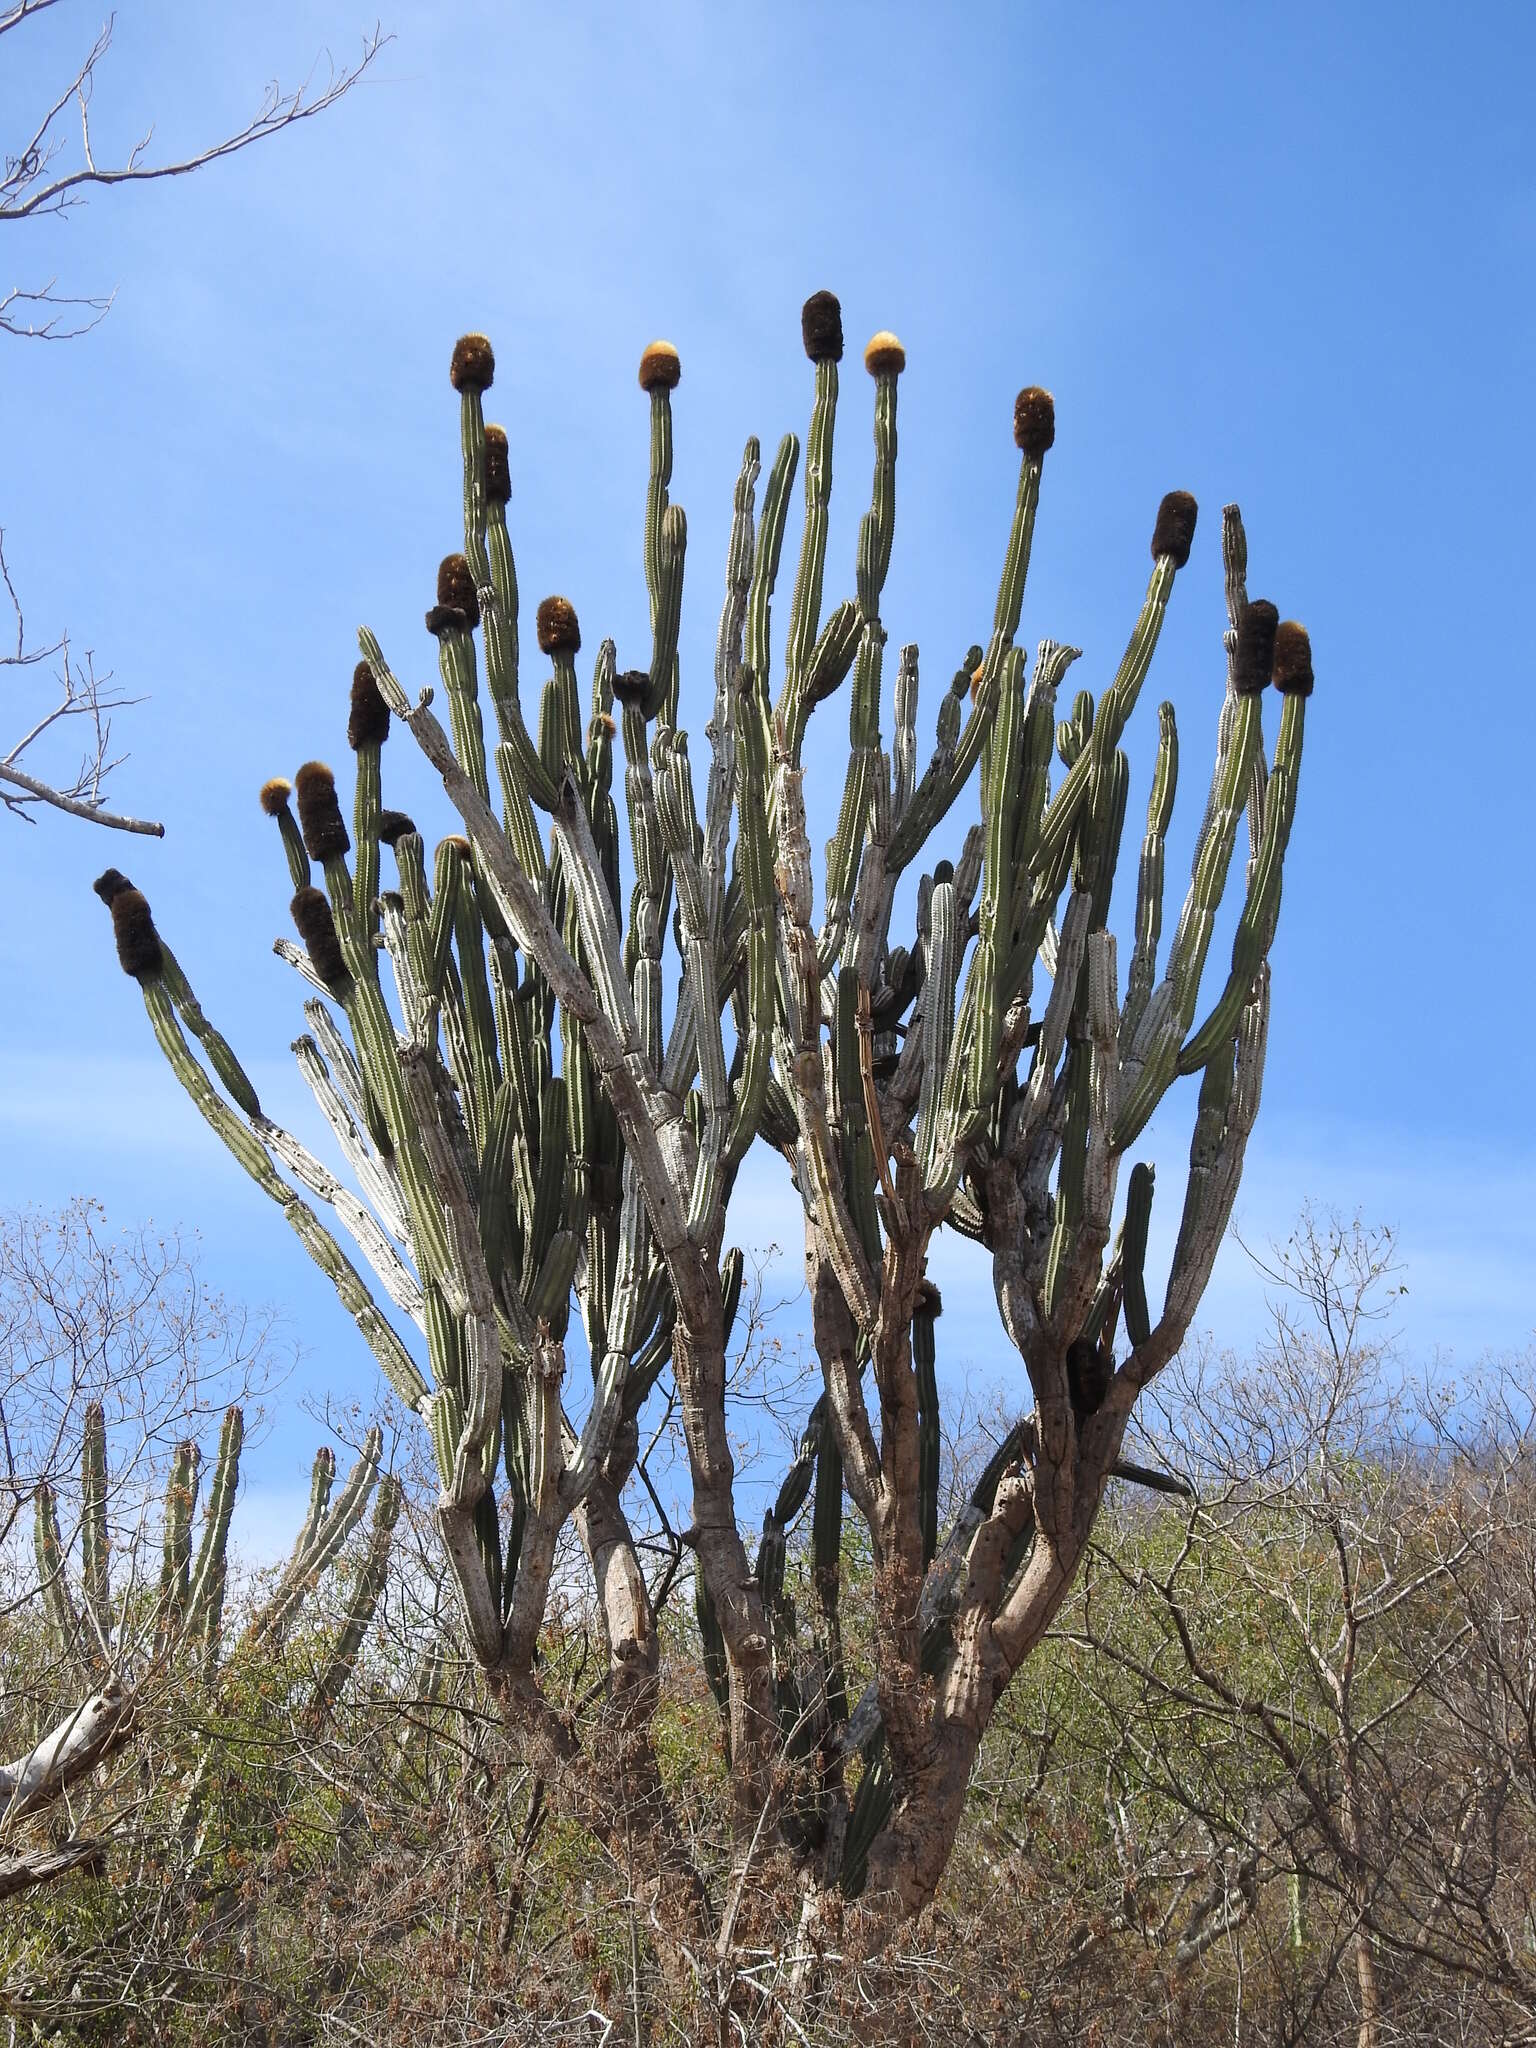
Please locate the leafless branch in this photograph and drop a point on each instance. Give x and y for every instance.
(85, 697)
(46, 1866)
(33, 183)
(65, 316)
(41, 178)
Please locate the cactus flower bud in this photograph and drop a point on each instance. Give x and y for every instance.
(821, 327)
(559, 632)
(1293, 659)
(660, 367)
(368, 720)
(325, 836)
(498, 468)
(1175, 529)
(884, 355)
(456, 588)
(473, 367)
(111, 884)
(138, 943)
(274, 794)
(1034, 421)
(393, 826)
(1254, 661)
(312, 920)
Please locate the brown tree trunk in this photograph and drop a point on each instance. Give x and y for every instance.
(1365, 1949)
(612, 1784)
(698, 1364)
(46, 1866)
(1370, 1994)
(908, 1859)
(618, 1796)
(907, 1862)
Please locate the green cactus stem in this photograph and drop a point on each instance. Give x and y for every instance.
(63, 1622)
(396, 1361)
(452, 621)
(367, 1588)
(660, 372)
(821, 326)
(94, 1542)
(523, 777)
(176, 1542)
(1119, 701)
(765, 568)
(1149, 890)
(210, 1574)
(367, 730)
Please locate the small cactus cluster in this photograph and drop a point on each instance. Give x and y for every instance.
(532, 1125)
(188, 1606)
(108, 1649)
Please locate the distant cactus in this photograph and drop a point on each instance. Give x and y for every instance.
(525, 1112)
(113, 1651)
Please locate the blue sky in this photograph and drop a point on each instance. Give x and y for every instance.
(1282, 255)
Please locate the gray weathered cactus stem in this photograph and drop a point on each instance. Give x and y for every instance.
(530, 1128)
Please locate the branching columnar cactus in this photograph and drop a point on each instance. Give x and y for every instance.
(111, 1653)
(531, 1125)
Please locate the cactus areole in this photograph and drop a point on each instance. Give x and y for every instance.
(546, 1046)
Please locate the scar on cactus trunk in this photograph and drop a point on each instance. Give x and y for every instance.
(546, 1051)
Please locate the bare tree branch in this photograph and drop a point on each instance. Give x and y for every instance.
(66, 316)
(39, 792)
(45, 176)
(46, 1866)
(31, 185)
(85, 697)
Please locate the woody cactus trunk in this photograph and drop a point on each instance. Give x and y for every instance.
(531, 1124)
